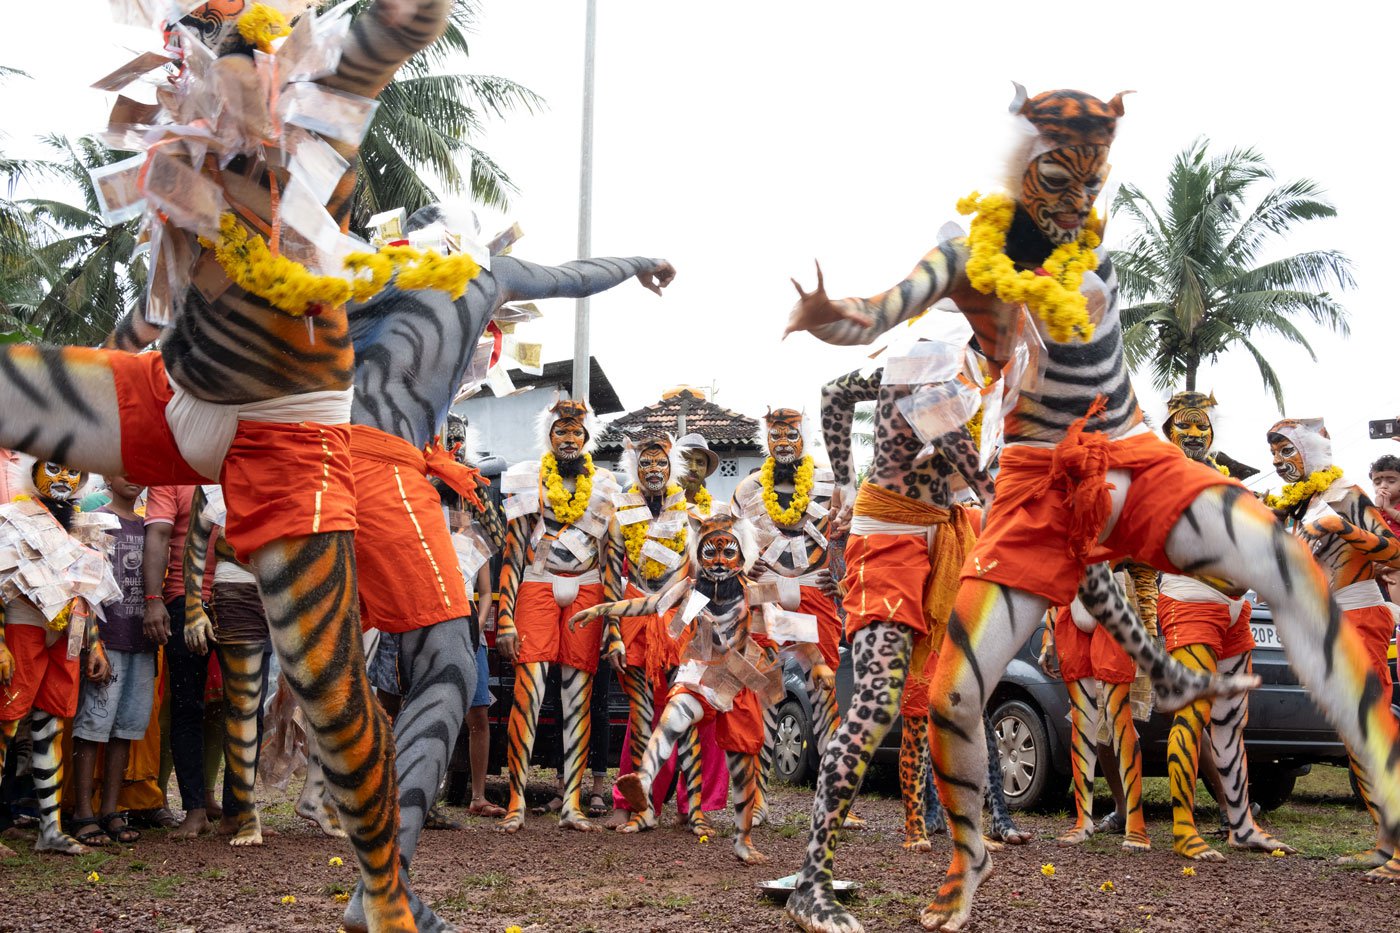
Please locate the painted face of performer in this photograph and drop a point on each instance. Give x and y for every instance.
(696, 465)
(721, 558)
(1059, 189)
(566, 438)
(56, 481)
(785, 435)
(653, 469)
(1192, 431)
(1288, 459)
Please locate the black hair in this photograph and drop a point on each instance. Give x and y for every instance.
(1388, 462)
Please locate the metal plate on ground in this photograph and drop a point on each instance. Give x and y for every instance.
(782, 887)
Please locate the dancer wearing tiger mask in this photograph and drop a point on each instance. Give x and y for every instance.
(564, 551)
(1350, 540)
(1207, 629)
(1082, 480)
(726, 675)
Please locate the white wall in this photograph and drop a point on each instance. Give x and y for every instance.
(507, 425)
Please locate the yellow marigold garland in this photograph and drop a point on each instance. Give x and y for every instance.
(291, 287)
(974, 427)
(1055, 297)
(635, 536)
(567, 509)
(801, 496)
(1294, 493)
(261, 24)
(704, 502)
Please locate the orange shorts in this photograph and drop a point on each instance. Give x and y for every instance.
(817, 603)
(44, 679)
(1023, 544)
(1376, 627)
(150, 455)
(635, 630)
(922, 663)
(403, 553)
(1190, 623)
(1083, 655)
(741, 729)
(886, 576)
(286, 481)
(543, 627)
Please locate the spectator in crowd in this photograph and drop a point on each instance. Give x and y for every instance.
(115, 713)
(1385, 478)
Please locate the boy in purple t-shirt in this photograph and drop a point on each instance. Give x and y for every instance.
(117, 712)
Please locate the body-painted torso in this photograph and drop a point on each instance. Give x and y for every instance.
(1349, 555)
(748, 502)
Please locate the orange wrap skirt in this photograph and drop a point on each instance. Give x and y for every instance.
(648, 640)
(1376, 626)
(1084, 655)
(1192, 623)
(741, 729)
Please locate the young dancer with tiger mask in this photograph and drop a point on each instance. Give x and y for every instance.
(1208, 629)
(1082, 480)
(908, 538)
(564, 552)
(252, 385)
(792, 503)
(723, 669)
(1350, 540)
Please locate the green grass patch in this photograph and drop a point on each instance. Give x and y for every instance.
(165, 886)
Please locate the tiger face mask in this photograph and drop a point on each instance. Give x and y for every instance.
(1059, 188)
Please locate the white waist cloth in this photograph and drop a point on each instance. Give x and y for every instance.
(227, 571)
(204, 430)
(565, 587)
(790, 588)
(868, 525)
(1191, 590)
(1360, 595)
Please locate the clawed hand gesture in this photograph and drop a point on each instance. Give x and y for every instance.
(815, 309)
(584, 617)
(653, 280)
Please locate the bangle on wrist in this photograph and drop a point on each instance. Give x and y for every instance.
(154, 597)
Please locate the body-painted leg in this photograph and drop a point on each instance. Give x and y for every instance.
(46, 730)
(880, 655)
(520, 737)
(1227, 533)
(61, 405)
(315, 804)
(682, 712)
(935, 820)
(243, 667)
(989, 624)
(575, 693)
(1084, 725)
(824, 715)
(639, 711)
(1183, 762)
(913, 774)
(441, 671)
(743, 772)
(1129, 755)
(765, 763)
(1004, 828)
(308, 589)
(1382, 852)
(1228, 717)
(689, 755)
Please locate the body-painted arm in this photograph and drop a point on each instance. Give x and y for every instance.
(1145, 585)
(613, 552)
(199, 631)
(512, 570)
(958, 448)
(650, 605)
(839, 399)
(491, 519)
(526, 281)
(132, 334)
(860, 320)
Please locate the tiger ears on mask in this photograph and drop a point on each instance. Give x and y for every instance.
(1115, 105)
(1021, 100)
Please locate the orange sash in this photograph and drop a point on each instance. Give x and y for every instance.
(433, 460)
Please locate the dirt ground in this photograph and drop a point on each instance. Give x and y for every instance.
(547, 880)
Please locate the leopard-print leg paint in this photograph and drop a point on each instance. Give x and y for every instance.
(1228, 717)
(1004, 828)
(1184, 759)
(639, 711)
(575, 689)
(743, 773)
(880, 658)
(989, 623)
(1125, 747)
(46, 730)
(690, 766)
(243, 667)
(683, 712)
(1227, 533)
(765, 764)
(315, 804)
(1084, 725)
(1174, 685)
(520, 738)
(913, 773)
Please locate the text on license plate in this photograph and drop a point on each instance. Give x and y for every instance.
(1265, 635)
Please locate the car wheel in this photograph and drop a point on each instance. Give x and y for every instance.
(792, 744)
(1270, 789)
(1024, 749)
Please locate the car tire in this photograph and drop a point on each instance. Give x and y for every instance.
(793, 745)
(1271, 789)
(1023, 746)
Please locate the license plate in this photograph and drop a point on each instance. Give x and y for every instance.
(1265, 635)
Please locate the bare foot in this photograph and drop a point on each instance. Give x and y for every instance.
(917, 844)
(1390, 871)
(1009, 833)
(322, 816)
(952, 907)
(853, 822)
(1256, 838)
(1080, 833)
(815, 909)
(512, 823)
(1138, 842)
(633, 792)
(700, 824)
(577, 821)
(638, 822)
(250, 833)
(745, 852)
(1195, 848)
(194, 824)
(1371, 858)
(993, 845)
(484, 807)
(61, 843)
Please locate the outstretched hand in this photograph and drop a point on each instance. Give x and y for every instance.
(583, 618)
(653, 280)
(815, 309)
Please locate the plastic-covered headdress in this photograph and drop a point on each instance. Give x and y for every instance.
(1310, 437)
(567, 409)
(632, 449)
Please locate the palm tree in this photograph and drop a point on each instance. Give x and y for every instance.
(424, 123)
(19, 286)
(1194, 267)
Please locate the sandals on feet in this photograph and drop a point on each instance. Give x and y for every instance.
(598, 806)
(486, 808)
(89, 832)
(114, 827)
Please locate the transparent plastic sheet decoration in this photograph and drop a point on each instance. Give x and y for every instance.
(149, 14)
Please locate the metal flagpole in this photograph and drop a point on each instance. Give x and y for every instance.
(585, 204)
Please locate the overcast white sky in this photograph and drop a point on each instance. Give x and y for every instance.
(741, 140)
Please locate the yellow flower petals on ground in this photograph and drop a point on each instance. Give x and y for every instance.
(1189, 872)
(94, 877)
(336, 861)
(289, 899)
(1047, 870)
(1107, 887)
